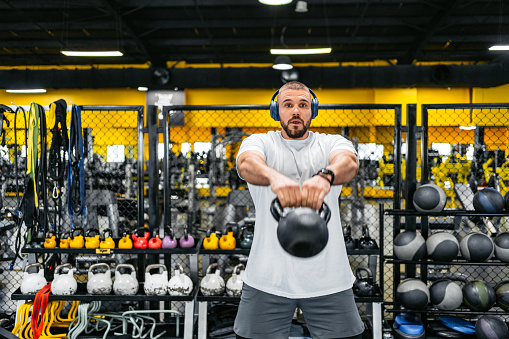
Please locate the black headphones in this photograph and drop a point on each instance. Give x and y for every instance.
(274, 107)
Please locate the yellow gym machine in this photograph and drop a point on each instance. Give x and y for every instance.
(501, 173)
(454, 169)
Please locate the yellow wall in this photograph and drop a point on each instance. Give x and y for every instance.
(369, 126)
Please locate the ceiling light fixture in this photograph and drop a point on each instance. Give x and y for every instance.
(295, 51)
(282, 63)
(467, 128)
(499, 48)
(33, 90)
(275, 2)
(142, 89)
(301, 7)
(93, 53)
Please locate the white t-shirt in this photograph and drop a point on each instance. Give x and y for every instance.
(270, 268)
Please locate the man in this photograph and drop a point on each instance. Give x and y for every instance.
(303, 169)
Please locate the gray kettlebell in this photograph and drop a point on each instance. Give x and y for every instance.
(302, 232)
(364, 287)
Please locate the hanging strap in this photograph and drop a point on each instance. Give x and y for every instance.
(32, 150)
(59, 141)
(57, 165)
(41, 172)
(76, 168)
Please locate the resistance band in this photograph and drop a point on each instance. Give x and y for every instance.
(76, 168)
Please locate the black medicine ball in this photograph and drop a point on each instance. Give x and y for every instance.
(429, 198)
(409, 245)
(478, 296)
(491, 327)
(488, 200)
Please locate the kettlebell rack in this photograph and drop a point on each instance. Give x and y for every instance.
(83, 296)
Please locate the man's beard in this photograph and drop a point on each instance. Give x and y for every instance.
(299, 133)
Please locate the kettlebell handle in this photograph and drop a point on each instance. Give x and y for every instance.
(369, 272)
(95, 231)
(365, 231)
(179, 268)
(277, 210)
(101, 264)
(77, 231)
(158, 266)
(106, 231)
(169, 230)
(239, 268)
(211, 266)
(213, 230)
(38, 265)
(59, 267)
(141, 229)
(131, 267)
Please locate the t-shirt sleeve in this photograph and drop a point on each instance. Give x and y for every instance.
(342, 143)
(252, 143)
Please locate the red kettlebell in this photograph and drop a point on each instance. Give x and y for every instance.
(141, 241)
(155, 242)
(187, 240)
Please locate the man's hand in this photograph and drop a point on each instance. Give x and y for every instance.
(287, 190)
(314, 191)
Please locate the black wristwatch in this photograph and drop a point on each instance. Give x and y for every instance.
(327, 171)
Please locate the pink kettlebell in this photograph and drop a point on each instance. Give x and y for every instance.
(187, 240)
(169, 241)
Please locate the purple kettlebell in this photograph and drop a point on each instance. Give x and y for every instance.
(187, 240)
(169, 241)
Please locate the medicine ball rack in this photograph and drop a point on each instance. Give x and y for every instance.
(410, 214)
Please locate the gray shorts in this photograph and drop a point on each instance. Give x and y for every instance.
(266, 316)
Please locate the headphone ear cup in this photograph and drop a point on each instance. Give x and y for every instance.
(274, 110)
(314, 108)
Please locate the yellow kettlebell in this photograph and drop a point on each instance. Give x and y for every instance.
(107, 241)
(92, 241)
(125, 242)
(50, 241)
(65, 240)
(77, 240)
(228, 241)
(211, 242)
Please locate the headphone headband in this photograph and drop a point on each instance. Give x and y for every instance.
(274, 107)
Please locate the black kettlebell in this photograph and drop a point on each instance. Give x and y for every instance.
(365, 242)
(364, 287)
(302, 232)
(350, 243)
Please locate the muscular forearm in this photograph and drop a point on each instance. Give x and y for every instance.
(344, 165)
(254, 170)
